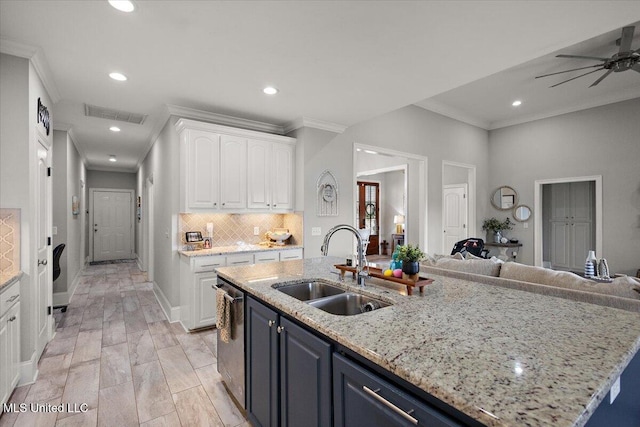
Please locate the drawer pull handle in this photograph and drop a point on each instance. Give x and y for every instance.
(271, 323)
(239, 262)
(13, 298)
(385, 402)
(280, 329)
(42, 262)
(12, 318)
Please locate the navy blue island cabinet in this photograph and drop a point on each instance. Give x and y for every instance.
(288, 371)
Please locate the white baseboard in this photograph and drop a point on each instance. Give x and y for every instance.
(28, 371)
(64, 298)
(171, 313)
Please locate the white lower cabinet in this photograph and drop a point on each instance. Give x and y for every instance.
(291, 254)
(9, 341)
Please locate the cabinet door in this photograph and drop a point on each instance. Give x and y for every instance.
(13, 331)
(305, 377)
(205, 302)
(560, 202)
(262, 364)
(202, 169)
(582, 201)
(560, 244)
(233, 172)
(258, 174)
(581, 244)
(4, 359)
(283, 176)
(362, 398)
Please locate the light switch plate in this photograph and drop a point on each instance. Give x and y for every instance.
(55, 230)
(525, 225)
(615, 391)
(316, 231)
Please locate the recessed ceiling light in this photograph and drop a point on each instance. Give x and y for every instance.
(112, 158)
(516, 103)
(123, 5)
(114, 129)
(270, 90)
(118, 76)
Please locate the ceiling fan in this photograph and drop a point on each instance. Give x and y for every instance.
(625, 59)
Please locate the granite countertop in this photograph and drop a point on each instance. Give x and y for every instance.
(221, 250)
(527, 358)
(7, 279)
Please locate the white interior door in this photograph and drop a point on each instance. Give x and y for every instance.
(112, 225)
(44, 282)
(454, 216)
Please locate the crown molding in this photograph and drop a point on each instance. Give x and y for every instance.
(601, 101)
(37, 58)
(221, 119)
(302, 121)
(452, 113)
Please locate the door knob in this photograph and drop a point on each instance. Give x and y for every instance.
(42, 262)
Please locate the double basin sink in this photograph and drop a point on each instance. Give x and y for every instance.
(330, 298)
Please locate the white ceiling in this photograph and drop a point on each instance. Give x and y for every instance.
(338, 62)
(487, 102)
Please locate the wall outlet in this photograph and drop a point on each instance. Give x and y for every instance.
(525, 225)
(316, 231)
(256, 231)
(55, 230)
(615, 391)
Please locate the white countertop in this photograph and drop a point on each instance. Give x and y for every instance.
(221, 250)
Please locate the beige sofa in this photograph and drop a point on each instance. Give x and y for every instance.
(623, 292)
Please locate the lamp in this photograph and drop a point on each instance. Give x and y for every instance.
(398, 220)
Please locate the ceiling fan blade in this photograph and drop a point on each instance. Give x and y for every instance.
(577, 77)
(583, 57)
(566, 71)
(627, 37)
(601, 78)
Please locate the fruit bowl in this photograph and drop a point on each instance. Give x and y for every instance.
(279, 236)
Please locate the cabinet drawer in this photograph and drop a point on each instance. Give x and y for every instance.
(290, 254)
(9, 297)
(271, 256)
(362, 397)
(241, 259)
(208, 263)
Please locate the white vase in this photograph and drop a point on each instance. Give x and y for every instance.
(497, 235)
(591, 265)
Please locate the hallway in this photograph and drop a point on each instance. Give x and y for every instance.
(115, 352)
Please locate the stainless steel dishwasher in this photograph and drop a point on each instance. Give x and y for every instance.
(231, 354)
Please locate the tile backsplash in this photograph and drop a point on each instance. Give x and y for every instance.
(229, 229)
(9, 240)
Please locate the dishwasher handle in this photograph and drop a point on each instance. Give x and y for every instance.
(231, 299)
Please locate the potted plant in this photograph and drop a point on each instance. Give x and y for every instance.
(410, 257)
(496, 227)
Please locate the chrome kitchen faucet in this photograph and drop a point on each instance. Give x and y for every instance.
(360, 274)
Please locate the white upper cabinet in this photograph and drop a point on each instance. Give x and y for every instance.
(259, 174)
(202, 169)
(234, 170)
(282, 167)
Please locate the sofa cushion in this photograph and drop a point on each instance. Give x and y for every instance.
(485, 267)
(564, 279)
(432, 260)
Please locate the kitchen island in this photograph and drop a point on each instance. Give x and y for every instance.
(500, 356)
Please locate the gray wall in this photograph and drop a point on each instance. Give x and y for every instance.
(103, 179)
(414, 130)
(162, 164)
(68, 175)
(599, 141)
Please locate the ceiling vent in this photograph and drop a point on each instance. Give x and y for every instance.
(109, 114)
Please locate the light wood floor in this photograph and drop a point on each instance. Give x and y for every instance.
(115, 351)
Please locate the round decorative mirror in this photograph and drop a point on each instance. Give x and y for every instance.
(522, 213)
(504, 198)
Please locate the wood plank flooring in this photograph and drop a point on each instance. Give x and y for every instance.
(115, 351)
